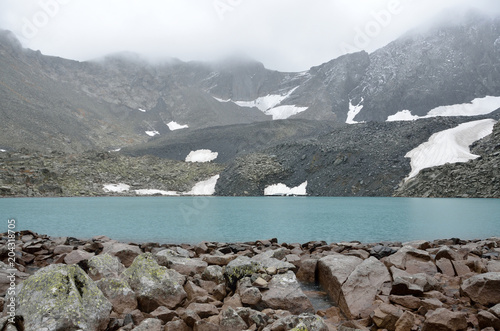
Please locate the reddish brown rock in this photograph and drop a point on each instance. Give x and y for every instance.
(164, 314)
(446, 267)
(203, 310)
(149, 324)
(461, 268)
(231, 321)
(119, 293)
(407, 301)
(63, 249)
(307, 270)
(178, 325)
(483, 288)
(77, 256)
(126, 253)
(220, 260)
(386, 316)
(444, 320)
(405, 322)
(487, 319)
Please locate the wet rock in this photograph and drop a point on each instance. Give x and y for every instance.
(444, 320)
(61, 297)
(155, 285)
(483, 288)
(381, 251)
(285, 293)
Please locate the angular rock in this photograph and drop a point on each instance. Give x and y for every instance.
(483, 288)
(220, 260)
(361, 287)
(193, 291)
(447, 253)
(413, 284)
(461, 268)
(155, 285)
(405, 322)
(231, 321)
(238, 268)
(203, 310)
(119, 293)
(380, 251)
(164, 314)
(446, 267)
(406, 254)
(333, 271)
(126, 253)
(62, 297)
(149, 324)
(443, 319)
(104, 265)
(307, 270)
(77, 256)
(487, 319)
(285, 293)
(183, 265)
(250, 296)
(272, 259)
(386, 316)
(213, 273)
(407, 301)
(63, 249)
(299, 323)
(178, 325)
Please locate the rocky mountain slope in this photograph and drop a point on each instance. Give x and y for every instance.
(477, 178)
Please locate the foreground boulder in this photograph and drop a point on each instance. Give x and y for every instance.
(60, 297)
(155, 285)
(484, 288)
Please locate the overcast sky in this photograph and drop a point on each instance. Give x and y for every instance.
(286, 35)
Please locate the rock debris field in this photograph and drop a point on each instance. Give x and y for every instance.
(101, 284)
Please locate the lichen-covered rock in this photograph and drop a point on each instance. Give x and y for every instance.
(149, 324)
(104, 265)
(238, 268)
(300, 322)
(62, 297)
(119, 293)
(155, 285)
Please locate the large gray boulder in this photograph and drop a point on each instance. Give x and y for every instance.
(105, 265)
(62, 297)
(155, 285)
(182, 264)
(239, 268)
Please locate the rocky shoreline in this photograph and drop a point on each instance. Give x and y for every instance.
(101, 284)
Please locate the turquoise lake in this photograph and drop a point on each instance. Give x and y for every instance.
(238, 219)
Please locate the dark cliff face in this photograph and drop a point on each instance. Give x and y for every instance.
(442, 66)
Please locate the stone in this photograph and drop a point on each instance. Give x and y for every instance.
(483, 288)
(124, 252)
(250, 296)
(333, 271)
(446, 267)
(193, 291)
(62, 297)
(149, 324)
(183, 265)
(273, 259)
(204, 325)
(155, 285)
(77, 256)
(189, 316)
(104, 265)
(119, 293)
(63, 249)
(495, 310)
(238, 268)
(416, 266)
(307, 270)
(493, 266)
(407, 301)
(213, 273)
(406, 254)
(487, 319)
(260, 282)
(164, 314)
(178, 325)
(203, 310)
(461, 268)
(361, 287)
(413, 284)
(380, 251)
(443, 319)
(447, 253)
(386, 316)
(431, 304)
(231, 321)
(232, 302)
(299, 322)
(405, 322)
(285, 293)
(220, 260)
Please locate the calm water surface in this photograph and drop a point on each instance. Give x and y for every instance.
(228, 219)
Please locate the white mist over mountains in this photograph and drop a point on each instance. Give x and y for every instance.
(286, 35)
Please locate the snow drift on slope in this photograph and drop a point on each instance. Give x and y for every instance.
(176, 126)
(206, 187)
(449, 146)
(282, 189)
(201, 155)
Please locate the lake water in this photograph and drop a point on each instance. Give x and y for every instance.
(238, 219)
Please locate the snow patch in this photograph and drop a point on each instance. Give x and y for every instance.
(222, 100)
(201, 155)
(206, 187)
(2, 150)
(353, 111)
(403, 115)
(176, 126)
(116, 188)
(153, 191)
(115, 150)
(478, 106)
(284, 112)
(142, 110)
(152, 133)
(282, 189)
(449, 146)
